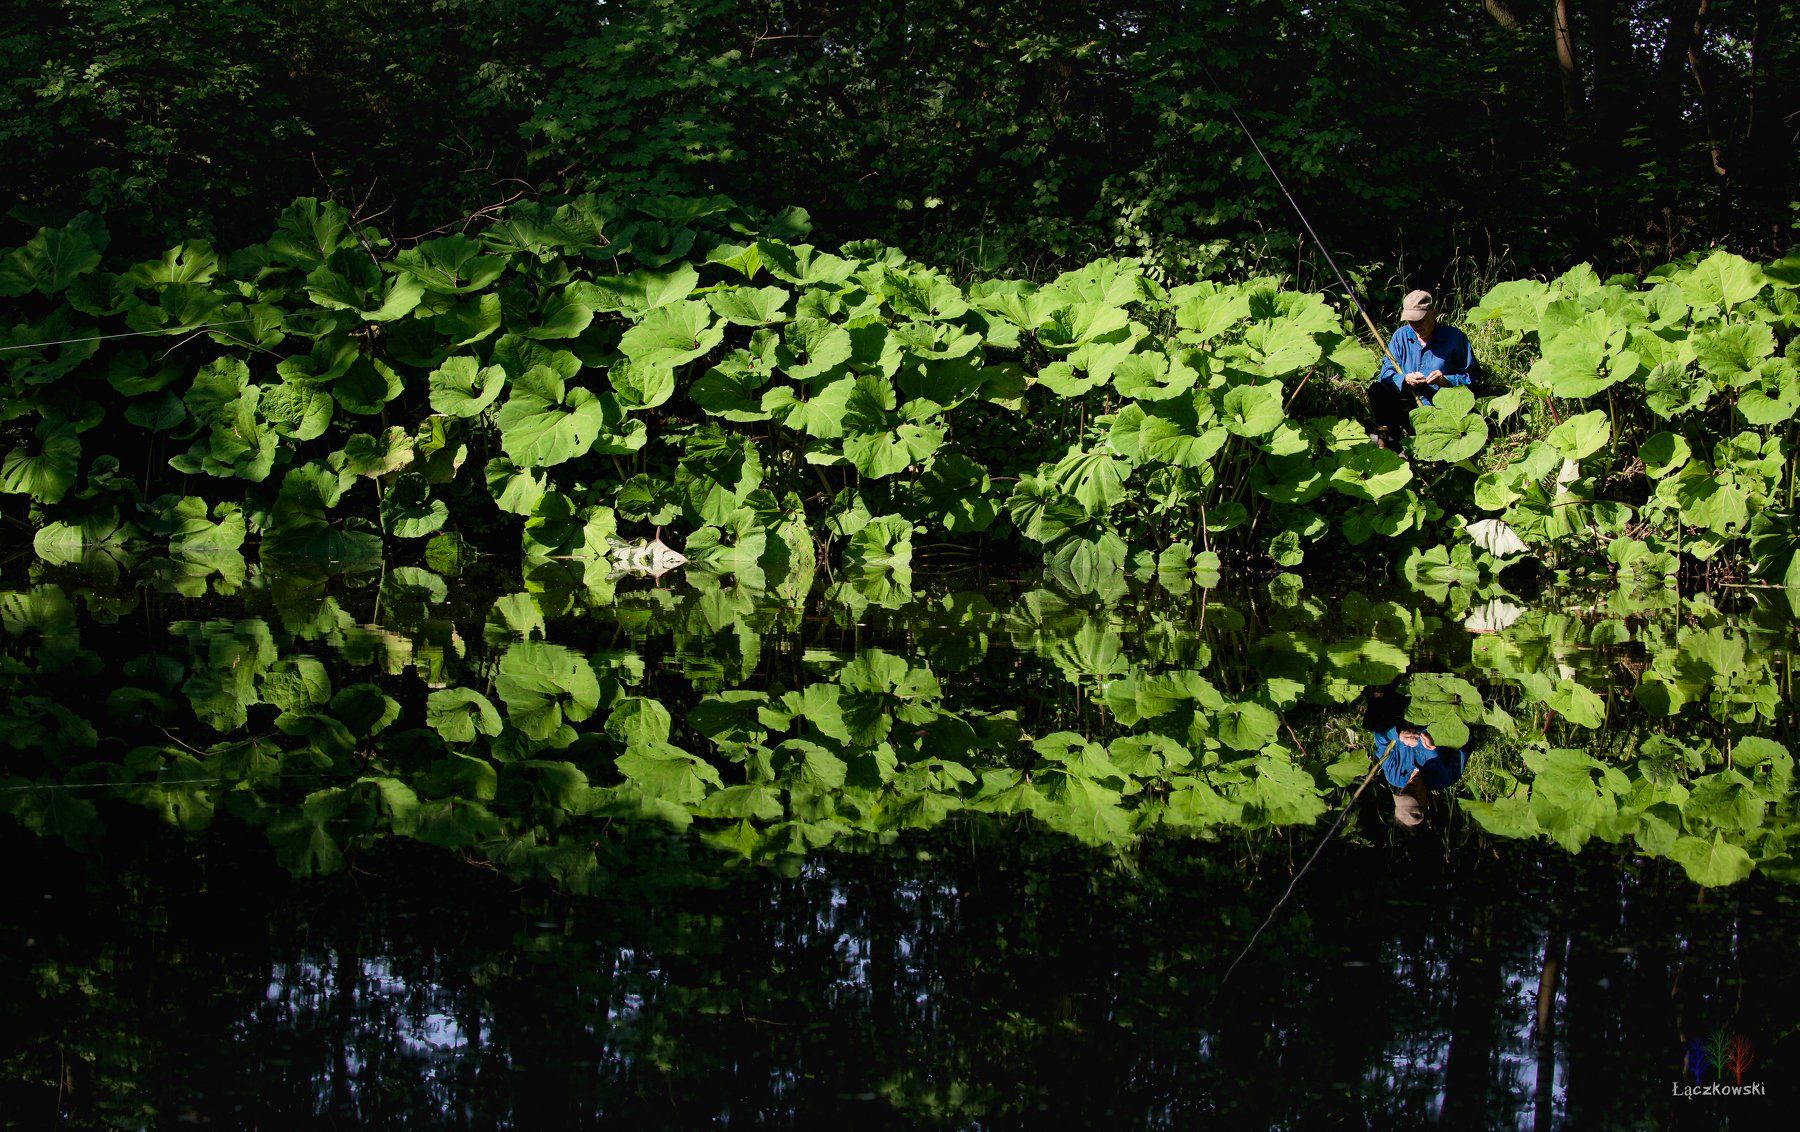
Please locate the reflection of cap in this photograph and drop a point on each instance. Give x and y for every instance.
(1417, 305)
(1407, 810)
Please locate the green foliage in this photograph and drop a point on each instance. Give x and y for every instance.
(622, 371)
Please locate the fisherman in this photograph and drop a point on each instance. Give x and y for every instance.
(1431, 357)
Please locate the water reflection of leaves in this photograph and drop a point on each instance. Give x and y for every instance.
(776, 731)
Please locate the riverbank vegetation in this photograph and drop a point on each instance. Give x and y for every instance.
(570, 376)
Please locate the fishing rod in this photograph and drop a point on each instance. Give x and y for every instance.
(1270, 918)
(1301, 213)
(127, 334)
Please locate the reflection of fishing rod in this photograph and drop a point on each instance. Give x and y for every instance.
(1267, 920)
(1298, 211)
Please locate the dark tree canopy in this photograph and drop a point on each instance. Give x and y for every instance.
(975, 134)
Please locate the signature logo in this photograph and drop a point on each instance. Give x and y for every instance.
(1724, 1057)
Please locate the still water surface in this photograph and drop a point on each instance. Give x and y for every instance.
(396, 850)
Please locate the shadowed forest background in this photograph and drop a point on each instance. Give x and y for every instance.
(1423, 137)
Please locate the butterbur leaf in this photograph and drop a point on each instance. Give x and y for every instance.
(669, 773)
(544, 423)
(819, 414)
(367, 386)
(672, 335)
(49, 262)
(1581, 436)
(1368, 472)
(1282, 347)
(637, 721)
(640, 291)
(1577, 704)
(452, 265)
(298, 410)
(47, 473)
(1208, 316)
(1094, 479)
(1447, 437)
(564, 315)
(375, 456)
(1722, 280)
(309, 231)
(1180, 431)
(462, 387)
(1252, 410)
(883, 543)
(1663, 453)
(812, 347)
(409, 511)
(514, 489)
(1077, 323)
(543, 685)
(1245, 726)
(1732, 353)
(350, 280)
(747, 306)
(1711, 863)
(459, 714)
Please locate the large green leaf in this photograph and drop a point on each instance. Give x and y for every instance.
(672, 335)
(1368, 472)
(350, 280)
(1581, 436)
(544, 423)
(462, 387)
(669, 773)
(746, 306)
(1252, 410)
(1447, 437)
(451, 265)
(1711, 863)
(640, 291)
(812, 348)
(1180, 431)
(1722, 280)
(48, 472)
(49, 261)
(543, 685)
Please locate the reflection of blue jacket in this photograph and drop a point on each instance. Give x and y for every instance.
(1437, 769)
(1448, 350)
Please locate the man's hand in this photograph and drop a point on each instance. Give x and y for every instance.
(1417, 378)
(1435, 377)
(1425, 741)
(1409, 737)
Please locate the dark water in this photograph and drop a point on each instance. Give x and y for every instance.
(245, 889)
(964, 979)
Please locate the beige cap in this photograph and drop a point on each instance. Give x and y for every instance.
(1407, 810)
(1417, 305)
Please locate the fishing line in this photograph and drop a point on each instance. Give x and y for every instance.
(222, 783)
(1324, 249)
(127, 334)
(1270, 918)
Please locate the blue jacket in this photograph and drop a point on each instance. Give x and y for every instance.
(1437, 769)
(1448, 350)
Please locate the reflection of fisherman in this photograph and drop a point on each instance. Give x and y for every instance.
(1412, 763)
(1415, 766)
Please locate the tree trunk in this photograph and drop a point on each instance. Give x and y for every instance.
(1566, 66)
(1501, 16)
(1556, 940)
(1696, 59)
